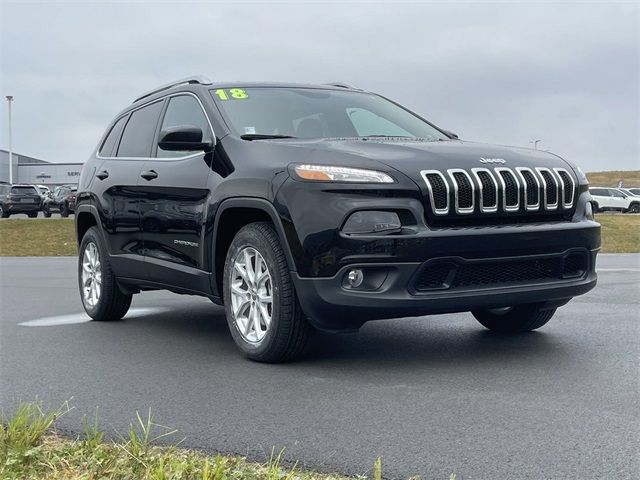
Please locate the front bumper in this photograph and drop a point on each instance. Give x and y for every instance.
(332, 306)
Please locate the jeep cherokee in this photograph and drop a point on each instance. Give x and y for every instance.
(303, 207)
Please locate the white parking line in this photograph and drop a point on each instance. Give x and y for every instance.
(76, 318)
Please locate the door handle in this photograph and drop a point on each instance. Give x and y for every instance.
(149, 175)
(102, 175)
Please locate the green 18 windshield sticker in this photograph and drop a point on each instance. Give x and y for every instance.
(231, 94)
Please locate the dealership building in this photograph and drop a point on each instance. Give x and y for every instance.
(34, 171)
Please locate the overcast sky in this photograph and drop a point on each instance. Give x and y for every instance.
(506, 73)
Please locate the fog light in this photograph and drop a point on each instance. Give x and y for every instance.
(372, 221)
(355, 278)
(588, 211)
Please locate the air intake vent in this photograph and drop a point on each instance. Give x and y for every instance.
(438, 191)
(463, 191)
(510, 190)
(488, 190)
(568, 187)
(550, 188)
(531, 187)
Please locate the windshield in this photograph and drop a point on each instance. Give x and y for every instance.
(318, 113)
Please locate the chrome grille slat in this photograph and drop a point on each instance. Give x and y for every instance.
(549, 188)
(429, 176)
(463, 192)
(527, 176)
(508, 206)
(567, 185)
(484, 193)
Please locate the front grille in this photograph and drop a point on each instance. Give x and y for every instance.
(525, 194)
(473, 274)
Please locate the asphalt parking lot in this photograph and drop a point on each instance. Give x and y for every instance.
(433, 396)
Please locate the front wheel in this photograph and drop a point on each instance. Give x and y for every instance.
(64, 210)
(522, 318)
(46, 212)
(101, 297)
(262, 309)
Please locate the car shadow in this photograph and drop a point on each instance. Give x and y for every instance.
(453, 340)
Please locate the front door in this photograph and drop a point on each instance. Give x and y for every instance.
(173, 207)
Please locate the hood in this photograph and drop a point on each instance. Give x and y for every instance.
(411, 157)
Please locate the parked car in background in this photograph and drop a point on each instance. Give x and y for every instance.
(44, 190)
(19, 199)
(629, 193)
(62, 200)
(613, 199)
(634, 190)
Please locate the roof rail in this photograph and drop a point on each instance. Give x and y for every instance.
(196, 79)
(341, 85)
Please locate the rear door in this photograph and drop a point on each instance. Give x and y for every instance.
(173, 205)
(124, 152)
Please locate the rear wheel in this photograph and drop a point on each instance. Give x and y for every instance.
(46, 212)
(634, 208)
(522, 318)
(101, 297)
(3, 212)
(262, 309)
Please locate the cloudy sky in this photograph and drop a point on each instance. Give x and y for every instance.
(565, 73)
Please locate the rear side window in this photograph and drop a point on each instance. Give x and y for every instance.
(24, 191)
(106, 150)
(599, 191)
(616, 193)
(184, 110)
(139, 132)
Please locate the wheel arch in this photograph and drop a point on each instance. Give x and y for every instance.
(86, 216)
(231, 216)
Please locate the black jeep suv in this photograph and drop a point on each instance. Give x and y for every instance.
(19, 199)
(302, 207)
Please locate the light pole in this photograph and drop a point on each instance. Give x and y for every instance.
(535, 143)
(10, 101)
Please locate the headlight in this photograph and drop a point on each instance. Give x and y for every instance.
(324, 173)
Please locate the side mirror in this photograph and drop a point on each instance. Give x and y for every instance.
(183, 138)
(450, 134)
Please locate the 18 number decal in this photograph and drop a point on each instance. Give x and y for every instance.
(231, 93)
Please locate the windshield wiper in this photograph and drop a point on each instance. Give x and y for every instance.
(262, 136)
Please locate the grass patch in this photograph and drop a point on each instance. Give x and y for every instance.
(620, 233)
(631, 178)
(30, 449)
(37, 237)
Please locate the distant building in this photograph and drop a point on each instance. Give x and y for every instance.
(35, 171)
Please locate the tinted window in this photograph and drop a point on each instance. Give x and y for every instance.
(181, 111)
(24, 191)
(635, 191)
(616, 193)
(110, 142)
(599, 191)
(138, 134)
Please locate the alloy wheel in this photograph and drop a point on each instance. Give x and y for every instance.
(91, 275)
(251, 295)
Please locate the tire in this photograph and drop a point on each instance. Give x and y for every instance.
(4, 214)
(64, 210)
(595, 207)
(634, 208)
(522, 318)
(110, 303)
(46, 212)
(288, 332)
(33, 214)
